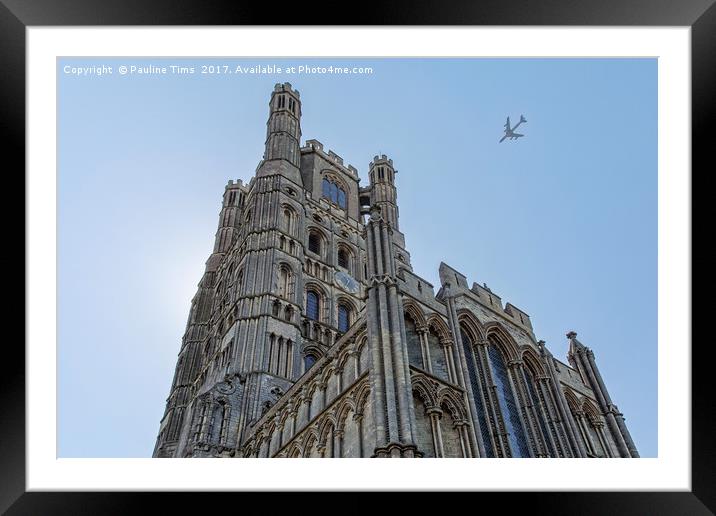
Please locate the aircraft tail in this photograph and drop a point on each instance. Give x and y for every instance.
(522, 119)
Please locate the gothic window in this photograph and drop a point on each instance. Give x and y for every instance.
(239, 282)
(471, 360)
(217, 423)
(276, 308)
(344, 317)
(288, 220)
(308, 361)
(312, 305)
(284, 281)
(343, 258)
(288, 314)
(508, 406)
(333, 192)
(314, 242)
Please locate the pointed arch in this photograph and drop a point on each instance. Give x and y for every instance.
(294, 450)
(450, 399)
(289, 219)
(361, 396)
(436, 322)
(471, 325)
(590, 410)
(415, 313)
(572, 400)
(532, 360)
(327, 423)
(496, 334)
(424, 388)
(343, 410)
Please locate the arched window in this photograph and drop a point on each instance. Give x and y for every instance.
(333, 192)
(344, 317)
(313, 305)
(284, 281)
(288, 220)
(314, 242)
(508, 406)
(472, 362)
(343, 257)
(308, 361)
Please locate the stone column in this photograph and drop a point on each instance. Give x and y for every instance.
(554, 420)
(524, 401)
(611, 420)
(463, 376)
(422, 332)
(391, 390)
(447, 353)
(338, 443)
(611, 408)
(577, 445)
(435, 415)
(584, 430)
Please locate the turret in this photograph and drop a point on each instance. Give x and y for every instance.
(384, 194)
(283, 129)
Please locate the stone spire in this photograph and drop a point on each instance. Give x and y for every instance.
(583, 358)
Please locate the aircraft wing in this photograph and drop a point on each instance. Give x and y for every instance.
(507, 124)
(517, 135)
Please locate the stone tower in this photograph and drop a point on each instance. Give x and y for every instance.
(311, 336)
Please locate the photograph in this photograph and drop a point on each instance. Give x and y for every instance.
(357, 257)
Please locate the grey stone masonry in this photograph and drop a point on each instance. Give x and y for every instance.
(310, 335)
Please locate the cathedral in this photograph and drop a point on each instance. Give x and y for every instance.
(310, 335)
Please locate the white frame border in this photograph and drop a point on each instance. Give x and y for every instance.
(670, 471)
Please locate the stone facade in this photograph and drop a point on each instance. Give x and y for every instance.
(311, 336)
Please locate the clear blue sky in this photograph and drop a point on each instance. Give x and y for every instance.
(562, 223)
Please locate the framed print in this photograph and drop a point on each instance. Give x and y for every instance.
(368, 181)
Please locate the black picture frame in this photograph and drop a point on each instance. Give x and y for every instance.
(700, 15)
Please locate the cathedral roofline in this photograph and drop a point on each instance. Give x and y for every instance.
(317, 147)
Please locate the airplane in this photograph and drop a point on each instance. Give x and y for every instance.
(510, 132)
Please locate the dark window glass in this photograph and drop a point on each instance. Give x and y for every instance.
(309, 360)
(326, 188)
(479, 405)
(343, 258)
(314, 243)
(312, 305)
(341, 198)
(344, 316)
(508, 406)
(334, 193)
